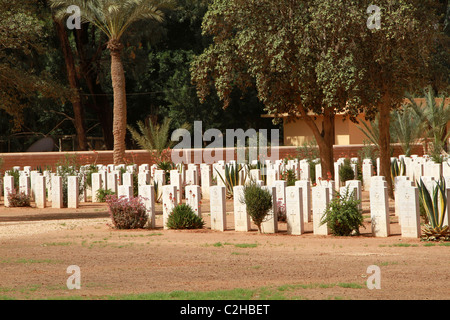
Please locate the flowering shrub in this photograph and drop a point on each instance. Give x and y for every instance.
(126, 213)
(281, 207)
(18, 199)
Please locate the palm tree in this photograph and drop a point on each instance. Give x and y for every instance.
(154, 137)
(435, 117)
(407, 128)
(114, 17)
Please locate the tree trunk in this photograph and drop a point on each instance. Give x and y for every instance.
(98, 101)
(78, 109)
(385, 143)
(120, 102)
(324, 139)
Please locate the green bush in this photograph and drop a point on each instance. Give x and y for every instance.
(183, 217)
(258, 202)
(102, 194)
(343, 215)
(345, 171)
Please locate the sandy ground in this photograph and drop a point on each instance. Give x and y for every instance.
(37, 246)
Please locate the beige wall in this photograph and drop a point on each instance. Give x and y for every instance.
(346, 132)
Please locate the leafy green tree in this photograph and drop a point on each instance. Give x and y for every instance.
(299, 55)
(23, 38)
(397, 57)
(114, 18)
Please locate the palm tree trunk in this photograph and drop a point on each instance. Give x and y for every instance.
(120, 102)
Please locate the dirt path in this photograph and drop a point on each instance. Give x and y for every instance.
(37, 246)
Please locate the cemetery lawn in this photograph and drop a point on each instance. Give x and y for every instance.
(37, 246)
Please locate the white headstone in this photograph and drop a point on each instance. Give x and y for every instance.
(193, 198)
(367, 170)
(57, 192)
(125, 191)
(72, 192)
(409, 211)
(320, 199)
(270, 223)
(305, 185)
(294, 210)
(379, 208)
(169, 201)
(206, 181)
(24, 184)
(8, 187)
(175, 180)
(241, 218)
(218, 208)
(147, 194)
(39, 191)
(96, 179)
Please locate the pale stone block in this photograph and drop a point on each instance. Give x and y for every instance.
(379, 209)
(112, 181)
(57, 192)
(72, 192)
(25, 184)
(169, 201)
(206, 181)
(39, 189)
(125, 190)
(294, 210)
(218, 208)
(241, 218)
(175, 180)
(96, 179)
(367, 170)
(305, 170)
(320, 200)
(193, 198)
(270, 223)
(305, 185)
(8, 187)
(409, 211)
(147, 194)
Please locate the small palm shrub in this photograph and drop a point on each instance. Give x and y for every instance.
(102, 194)
(183, 217)
(258, 202)
(18, 199)
(343, 215)
(288, 176)
(127, 213)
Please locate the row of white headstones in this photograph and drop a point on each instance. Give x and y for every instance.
(302, 203)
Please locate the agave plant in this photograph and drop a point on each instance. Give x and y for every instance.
(435, 205)
(232, 177)
(398, 168)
